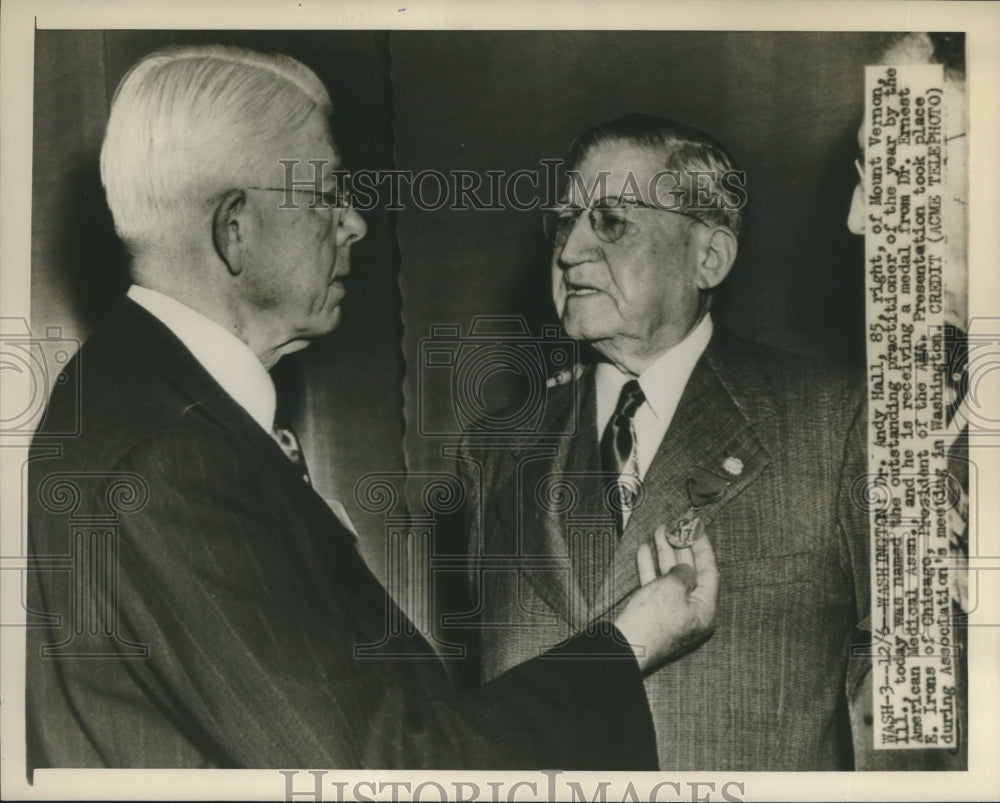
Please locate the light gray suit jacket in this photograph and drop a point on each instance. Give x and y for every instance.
(768, 691)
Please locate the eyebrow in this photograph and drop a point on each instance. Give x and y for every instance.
(605, 201)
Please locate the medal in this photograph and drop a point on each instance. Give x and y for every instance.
(703, 488)
(686, 529)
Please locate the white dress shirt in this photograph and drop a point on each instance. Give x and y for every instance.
(228, 360)
(662, 384)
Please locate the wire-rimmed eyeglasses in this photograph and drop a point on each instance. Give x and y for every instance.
(337, 198)
(860, 167)
(608, 219)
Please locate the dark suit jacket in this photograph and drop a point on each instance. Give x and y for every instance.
(196, 604)
(768, 690)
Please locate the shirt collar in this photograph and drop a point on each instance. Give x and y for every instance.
(663, 381)
(673, 368)
(228, 360)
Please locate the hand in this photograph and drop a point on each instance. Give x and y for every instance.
(675, 612)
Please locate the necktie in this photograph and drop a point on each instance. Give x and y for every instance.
(956, 368)
(618, 441)
(286, 438)
(957, 511)
(289, 443)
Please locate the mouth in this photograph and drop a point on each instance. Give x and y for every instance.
(578, 290)
(336, 288)
(341, 266)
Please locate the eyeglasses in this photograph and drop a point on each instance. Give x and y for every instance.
(608, 219)
(337, 198)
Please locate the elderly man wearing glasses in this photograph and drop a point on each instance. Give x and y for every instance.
(676, 421)
(217, 612)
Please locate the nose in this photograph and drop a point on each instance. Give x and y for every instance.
(581, 244)
(352, 227)
(856, 215)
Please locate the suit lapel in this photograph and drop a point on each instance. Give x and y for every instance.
(155, 344)
(714, 420)
(206, 396)
(541, 526)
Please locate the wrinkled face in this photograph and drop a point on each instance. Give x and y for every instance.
(640, 292)
(953, 207)
(298, 257)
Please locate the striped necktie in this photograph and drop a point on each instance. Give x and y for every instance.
(618, 443)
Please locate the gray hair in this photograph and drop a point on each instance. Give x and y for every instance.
(684, 149)
(187, 123)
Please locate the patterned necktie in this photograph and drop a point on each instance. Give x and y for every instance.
(956, 368)
(289, 443)
(618, 441)
(286, 438)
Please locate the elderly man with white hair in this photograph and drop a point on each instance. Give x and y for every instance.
(215, 607)
(755, 447)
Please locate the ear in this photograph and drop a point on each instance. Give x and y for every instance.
(718, 254)
(229, 229)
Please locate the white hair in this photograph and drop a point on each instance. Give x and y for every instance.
(188, 123)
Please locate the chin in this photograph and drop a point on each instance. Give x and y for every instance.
(956, 310)
(333, 320)
(321, 323)
(586, 330)
(588, 318)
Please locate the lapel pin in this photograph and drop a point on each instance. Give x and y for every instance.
(558, 378)
(733, 465)
(564, 376)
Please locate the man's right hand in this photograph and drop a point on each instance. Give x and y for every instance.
(671, 613)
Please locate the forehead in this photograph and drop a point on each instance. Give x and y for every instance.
(310, 142)
(616, 167)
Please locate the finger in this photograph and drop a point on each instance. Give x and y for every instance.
(706, 567)
(664, 552)
(686, 574)
(685, 556)
(644, 562)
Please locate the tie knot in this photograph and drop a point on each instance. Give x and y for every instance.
(286, 438)
(630, 399)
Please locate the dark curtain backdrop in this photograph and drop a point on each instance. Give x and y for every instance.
(786, 104)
